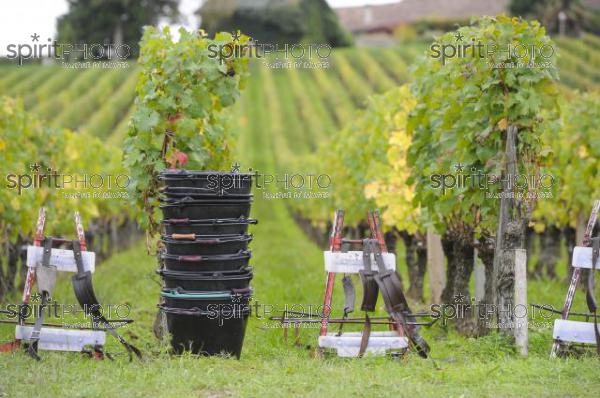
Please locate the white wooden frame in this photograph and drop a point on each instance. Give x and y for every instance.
(62, 259)
(577, 331)
(55, 339)
(574, 331)
(351, 262)
(582, 258)
(348, 344)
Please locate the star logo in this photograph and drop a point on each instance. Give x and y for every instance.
(459, 36)
(236, 36)
(459, 167)
(36, 297)
(235, 168)
(458, 298)
(35, 37)
(35, 167)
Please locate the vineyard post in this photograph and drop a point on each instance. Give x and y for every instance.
(580, 226)
(521, 322)
(580, 229)
(479, 271)
(509, 237)
(435, 260)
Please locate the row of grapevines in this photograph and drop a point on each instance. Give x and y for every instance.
(591, 40)
(353, 82)
(74, 116)
(575, 80)
(578, 48)
(27, 140)
(369, 68)
(410, 51)
(120, 131)
(317, 121)
(334, 95)
(294, 131)
(575, 164)
(572, 60)
(388, 184)
(316, 94)
(179, 115)
(277, 122)
(50, 109)
(32, 81)
(314, 104)
(464, 109)
(393, 64)
(11, 75)
(47, 91)
(102, 122)
(352, 156)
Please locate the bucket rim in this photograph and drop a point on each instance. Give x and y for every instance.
(179, 293)
(210, 221)
(239, 274)
(192, 174)
(208, 257)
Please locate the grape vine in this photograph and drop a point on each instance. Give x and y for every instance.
(179, 119)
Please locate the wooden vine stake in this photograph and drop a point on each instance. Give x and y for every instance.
(435, 262)
(520, 309)
(509, 258)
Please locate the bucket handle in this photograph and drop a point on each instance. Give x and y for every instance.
(178, 220)
(195, 311)
(189, 259)
(192, 189)
(183, 236)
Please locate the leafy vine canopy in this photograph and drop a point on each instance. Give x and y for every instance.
(183, 88)
(504, 76)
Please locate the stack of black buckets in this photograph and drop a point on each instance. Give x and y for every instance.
(204, 265)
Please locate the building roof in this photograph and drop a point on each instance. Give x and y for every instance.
(388, 16)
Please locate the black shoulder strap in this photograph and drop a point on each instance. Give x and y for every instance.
(591, 300)
(84, 291)
(349, 298)
(349, 295)
(367, 277)
(366, 334)
(396, 305)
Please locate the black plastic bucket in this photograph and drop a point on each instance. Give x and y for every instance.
(208, 324)
(206, 244)
(217, 262)
(197, 209)
(215, 226)
(217, 182)
(206, 281)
